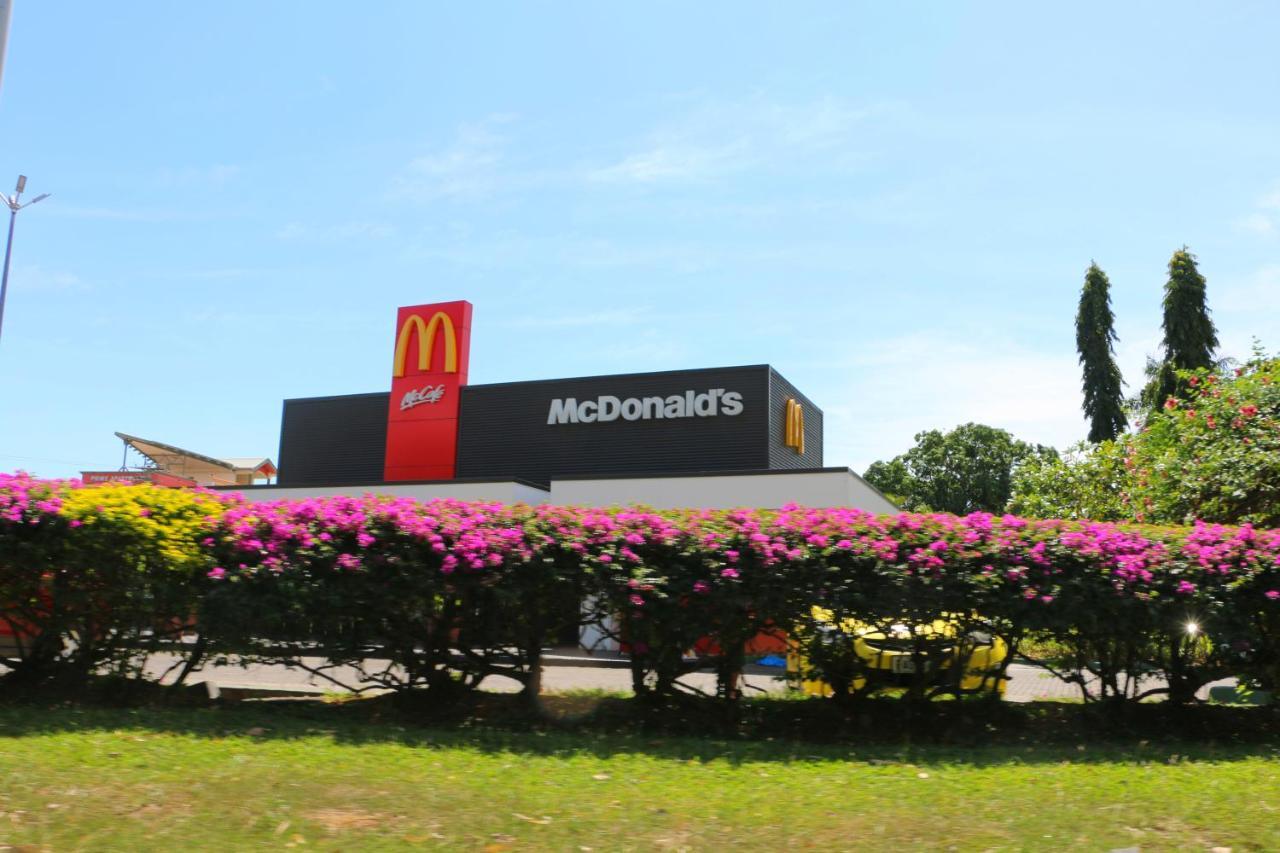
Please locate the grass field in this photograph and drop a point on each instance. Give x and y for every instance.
(267, 777)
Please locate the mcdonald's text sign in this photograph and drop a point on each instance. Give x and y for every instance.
(429, 365)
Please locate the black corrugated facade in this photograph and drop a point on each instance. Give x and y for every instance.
(781, 456)
(333, 441)
(504, 431)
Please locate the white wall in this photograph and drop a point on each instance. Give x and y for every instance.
(497, 491)
(839, 487)
(714, 491)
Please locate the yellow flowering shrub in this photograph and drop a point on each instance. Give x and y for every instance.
(147, 522)
(95, 578)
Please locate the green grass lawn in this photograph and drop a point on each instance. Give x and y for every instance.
(267, 776)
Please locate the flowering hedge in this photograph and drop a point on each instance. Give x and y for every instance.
(438, 590)
(95, 578)
(441, 594)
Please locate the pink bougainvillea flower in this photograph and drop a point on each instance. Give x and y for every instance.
(729, 573)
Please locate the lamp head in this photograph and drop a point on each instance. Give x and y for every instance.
(22, 183)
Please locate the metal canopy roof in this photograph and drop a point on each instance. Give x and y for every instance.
(205, 470)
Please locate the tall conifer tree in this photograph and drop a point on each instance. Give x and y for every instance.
(1190, 338)
(1095, 339)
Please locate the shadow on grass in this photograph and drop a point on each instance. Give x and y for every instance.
(975, 733)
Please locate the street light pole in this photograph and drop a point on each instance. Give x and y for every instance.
(14, 204)
(6, 12)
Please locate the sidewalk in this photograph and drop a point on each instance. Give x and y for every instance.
(564, 669)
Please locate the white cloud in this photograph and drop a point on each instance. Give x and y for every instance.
(682, 257)
(918, 382)
(1247, 310)
(676, 160)
(647, 349)
(217, 273)
(296, 231)
(1258, 292)
(1257, 223)
(35, 277)
(110, 213)
(513, 250)
(717, 139)
(473, 166)
(707, 141)
(592, 319)
(216, 175)
(1265, 219)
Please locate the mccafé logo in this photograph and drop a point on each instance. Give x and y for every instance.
(426, 344)
(690, 404)
(418, 396)
(793, 433)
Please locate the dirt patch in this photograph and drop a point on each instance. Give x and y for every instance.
(344, 820)
(164, 812)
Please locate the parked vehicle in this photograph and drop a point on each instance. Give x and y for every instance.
(956, 652)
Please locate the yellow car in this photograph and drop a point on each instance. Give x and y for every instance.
(892, 657)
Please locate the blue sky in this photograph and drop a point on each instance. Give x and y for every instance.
(894, 204)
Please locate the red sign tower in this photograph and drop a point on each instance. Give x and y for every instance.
(433, 349)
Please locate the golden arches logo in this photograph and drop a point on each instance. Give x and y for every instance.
(426, 343)
(793, 435)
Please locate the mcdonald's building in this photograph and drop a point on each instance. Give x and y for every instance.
(708, 437)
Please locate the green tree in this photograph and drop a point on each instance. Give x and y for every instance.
(1088, 482)
(1095, 339)
(891, 478)
(965, 470)
(1190, 337)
